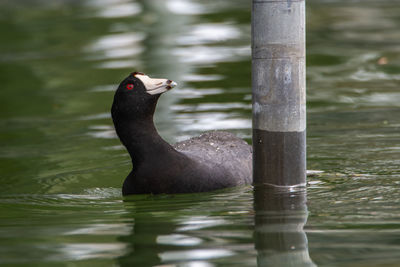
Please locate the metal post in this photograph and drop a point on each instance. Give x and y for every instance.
(278, 84)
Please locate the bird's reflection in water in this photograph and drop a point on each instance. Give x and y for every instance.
(280, 216)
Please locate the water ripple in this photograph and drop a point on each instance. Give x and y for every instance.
(209, 33)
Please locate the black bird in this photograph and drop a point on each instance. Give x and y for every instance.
(213, 160)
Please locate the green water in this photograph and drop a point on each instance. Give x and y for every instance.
(61, 165)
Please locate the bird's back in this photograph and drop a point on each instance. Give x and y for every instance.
(218, 149)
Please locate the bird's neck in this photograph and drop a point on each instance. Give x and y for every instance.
(141, 139)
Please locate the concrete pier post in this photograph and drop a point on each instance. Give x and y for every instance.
(278, 84)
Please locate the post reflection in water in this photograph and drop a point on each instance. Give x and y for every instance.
(280, 216)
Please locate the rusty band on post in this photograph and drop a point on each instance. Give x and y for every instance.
(278, 82)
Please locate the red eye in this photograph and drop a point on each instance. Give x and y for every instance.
(129, 86)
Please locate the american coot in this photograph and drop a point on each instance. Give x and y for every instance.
(213, 160)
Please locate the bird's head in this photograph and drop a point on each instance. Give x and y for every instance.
(137, 95)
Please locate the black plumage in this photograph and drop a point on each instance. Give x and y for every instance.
(211, 161)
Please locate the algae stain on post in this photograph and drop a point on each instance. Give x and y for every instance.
(278, 84)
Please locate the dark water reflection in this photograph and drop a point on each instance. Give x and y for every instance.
(196, 229)
(61, 165)
(279, 237)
